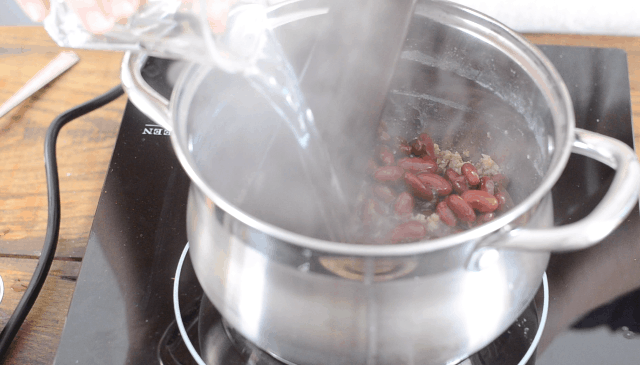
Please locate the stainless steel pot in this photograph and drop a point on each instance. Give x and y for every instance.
(477, 86)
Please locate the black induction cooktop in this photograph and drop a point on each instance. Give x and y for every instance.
(122, 309)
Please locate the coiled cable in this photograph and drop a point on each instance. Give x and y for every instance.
(53, 221)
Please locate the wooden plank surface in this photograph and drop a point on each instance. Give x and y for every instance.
(84, 148)
(37, 340)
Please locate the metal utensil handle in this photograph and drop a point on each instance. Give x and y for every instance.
(610, 212)
(143, 96)
(53, 69)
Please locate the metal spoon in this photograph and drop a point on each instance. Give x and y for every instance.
(53, 69)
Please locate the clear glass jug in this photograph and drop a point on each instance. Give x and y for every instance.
(178, 30)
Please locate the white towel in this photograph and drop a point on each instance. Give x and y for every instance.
(608, 17)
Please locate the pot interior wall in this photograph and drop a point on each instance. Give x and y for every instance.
(469, 88)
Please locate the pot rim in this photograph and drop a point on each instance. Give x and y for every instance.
(560, 105)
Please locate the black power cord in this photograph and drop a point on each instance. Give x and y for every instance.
(53, 222)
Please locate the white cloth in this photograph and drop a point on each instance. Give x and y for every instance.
(610, 17)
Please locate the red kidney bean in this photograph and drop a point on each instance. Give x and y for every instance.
(417, 187)
(436, 183)
(488, 185)
(384, 193)
(383, 135)
(402, 145)
(404, 204)
(416, 164)
(458, 182)
(485, 217)
(451, 174)
(480, 200)
(418, 148)
(446, 214)
(385, 155)
(461, 208)
(429, 147)
(405, 148)
(427, 158)
(408, 232)
(460, 185)
(504, 200)
(501, 180)
(470, 173)
(388, 173)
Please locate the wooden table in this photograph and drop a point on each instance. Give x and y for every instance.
(84, 151)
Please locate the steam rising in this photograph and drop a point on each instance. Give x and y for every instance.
(299, 162)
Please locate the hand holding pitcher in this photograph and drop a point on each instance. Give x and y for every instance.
(227, 35)
(99, 16)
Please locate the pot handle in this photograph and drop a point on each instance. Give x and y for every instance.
(143, 96)
(610, 212)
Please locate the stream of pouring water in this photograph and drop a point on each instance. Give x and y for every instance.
(164, 29)
(275, 79)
